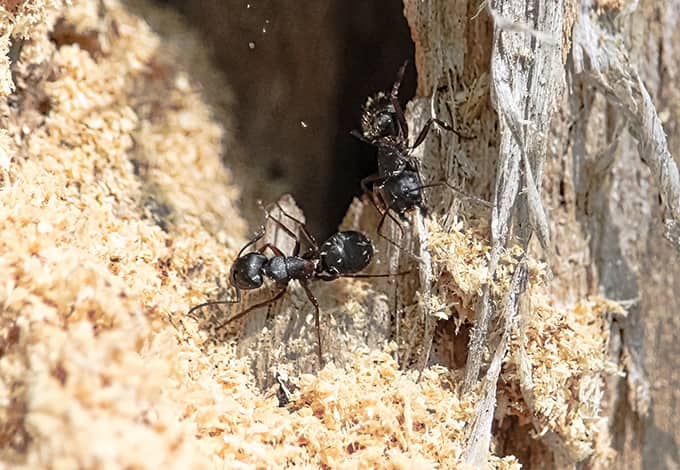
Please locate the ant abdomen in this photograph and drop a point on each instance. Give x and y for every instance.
(346, 252)
(343, 254)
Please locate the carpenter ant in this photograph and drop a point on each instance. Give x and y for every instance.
(344, 254)
(397, 185)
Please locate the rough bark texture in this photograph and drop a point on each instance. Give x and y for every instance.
(119, 215)
(564, 138)
(602, 204)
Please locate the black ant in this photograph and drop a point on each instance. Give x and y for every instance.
(398, 184)
(344, 254)
(384, 126)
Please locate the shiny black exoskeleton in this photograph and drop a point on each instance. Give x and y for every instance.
(384, 126)
(250, 270)
(343, 255)
(403, 192)
(247, 271)
(397, 185)
(379, 117)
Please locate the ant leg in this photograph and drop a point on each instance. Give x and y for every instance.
(419, 173)
(371, 180)
(444, 125)
(251, 308)
(397, 321)
(274, 249)
(382, 222)
(373, 191)
(254, 240)
(389, 240)
(258, 236)
(426, 130)
(317, 313)
(358, 135)
(305, 231)
(384, 214)
(433, 120)
(394, 99)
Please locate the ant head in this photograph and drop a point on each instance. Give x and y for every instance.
(345, 253)
(379, 118)
(246, 272)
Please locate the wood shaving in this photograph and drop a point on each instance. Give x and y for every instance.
(565, 346)
(118, 215)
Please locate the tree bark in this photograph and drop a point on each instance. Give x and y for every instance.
(572, 111)
(564, 137)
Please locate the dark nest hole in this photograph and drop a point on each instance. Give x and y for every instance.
(300, 73)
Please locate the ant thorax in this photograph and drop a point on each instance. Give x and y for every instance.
(343, 254)
(282, 269)
(403, 192)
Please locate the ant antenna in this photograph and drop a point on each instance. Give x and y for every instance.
(400, 78)
(457, 191)
(394, 99)
(362, 276)
(258, 236)
(215, 302)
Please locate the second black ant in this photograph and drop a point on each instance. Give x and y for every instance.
(398, 185)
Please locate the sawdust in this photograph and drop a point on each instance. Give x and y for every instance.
(566, 346)
(118, 215)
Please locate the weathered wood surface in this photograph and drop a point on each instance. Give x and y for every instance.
(568, 105)
(590, 131)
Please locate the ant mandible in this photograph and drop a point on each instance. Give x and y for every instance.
(344, 254)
